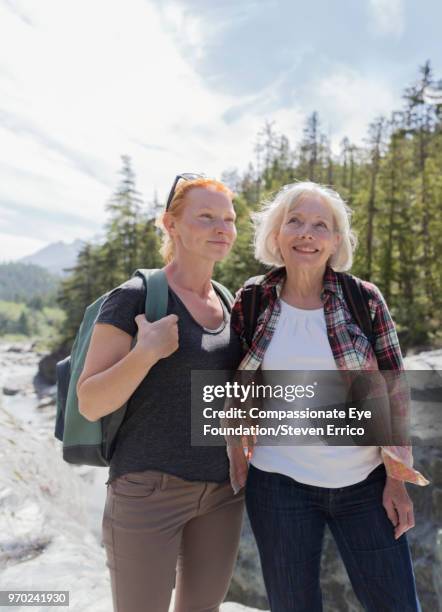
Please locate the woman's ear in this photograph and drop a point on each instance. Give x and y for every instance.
(338, 239)
(169, 223)
(275, 240)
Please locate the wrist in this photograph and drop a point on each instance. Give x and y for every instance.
(145, 355)
(395, 481)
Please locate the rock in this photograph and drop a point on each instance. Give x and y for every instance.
(10, 390)
(46, 366)
(45, 403)
(437, 567)
(437, 471)
(247, 585)
(437, 505)
(19, 348)
(18, 551)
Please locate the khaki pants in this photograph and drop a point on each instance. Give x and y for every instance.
(160, 530)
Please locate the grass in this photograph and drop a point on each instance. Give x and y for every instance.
(43, 326)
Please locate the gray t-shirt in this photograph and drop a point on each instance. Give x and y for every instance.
(155, 433)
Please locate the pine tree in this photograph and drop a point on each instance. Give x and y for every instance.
(393, 183)
(308, 158)
(124, 209)
(375, 142)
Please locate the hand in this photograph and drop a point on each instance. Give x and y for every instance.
(239, 467)
(249, 443)
(159, 337)
(398, 505)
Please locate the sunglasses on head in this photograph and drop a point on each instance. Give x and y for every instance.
(186, 176)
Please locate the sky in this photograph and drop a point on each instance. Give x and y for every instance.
(181, 86)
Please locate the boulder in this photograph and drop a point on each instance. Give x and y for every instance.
(46, 366)
(11, 389)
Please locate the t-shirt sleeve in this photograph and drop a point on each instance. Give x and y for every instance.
(123, 304)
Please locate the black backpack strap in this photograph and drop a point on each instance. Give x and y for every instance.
(357, 300)
(354, 294)
(251, 306)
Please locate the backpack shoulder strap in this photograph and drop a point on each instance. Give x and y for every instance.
(254, 302)
(157, 293)
(357, 300)
(224, 294)
(251, 307)
(156, 285)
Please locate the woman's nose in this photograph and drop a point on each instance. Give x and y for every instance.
(222, 227)
(305, 232)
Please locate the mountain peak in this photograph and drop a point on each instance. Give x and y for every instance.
(56, 256)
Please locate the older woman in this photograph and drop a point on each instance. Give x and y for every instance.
(170, 514)
(293, 491)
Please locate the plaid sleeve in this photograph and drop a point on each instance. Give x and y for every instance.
(398, 460)
(397, 467)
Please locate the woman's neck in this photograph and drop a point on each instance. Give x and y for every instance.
(193, 278)
(303, 287)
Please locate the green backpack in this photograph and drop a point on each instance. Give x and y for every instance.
(92, 443)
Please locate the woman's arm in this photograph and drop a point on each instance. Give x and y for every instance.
(392, 370)
(396, 500)
(398, 506)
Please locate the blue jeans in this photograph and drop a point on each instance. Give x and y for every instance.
(288, 520)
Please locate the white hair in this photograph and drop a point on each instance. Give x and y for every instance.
(268, 221)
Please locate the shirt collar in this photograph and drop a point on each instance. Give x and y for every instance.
(274, 279)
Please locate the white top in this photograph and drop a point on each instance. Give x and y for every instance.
(300, 342)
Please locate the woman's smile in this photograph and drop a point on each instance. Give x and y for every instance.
(305, 249)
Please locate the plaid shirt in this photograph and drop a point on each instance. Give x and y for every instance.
(350, 348)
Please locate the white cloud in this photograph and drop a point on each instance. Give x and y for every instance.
(82, 83)
(388, 16)
(351, 101)
(185, 25)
